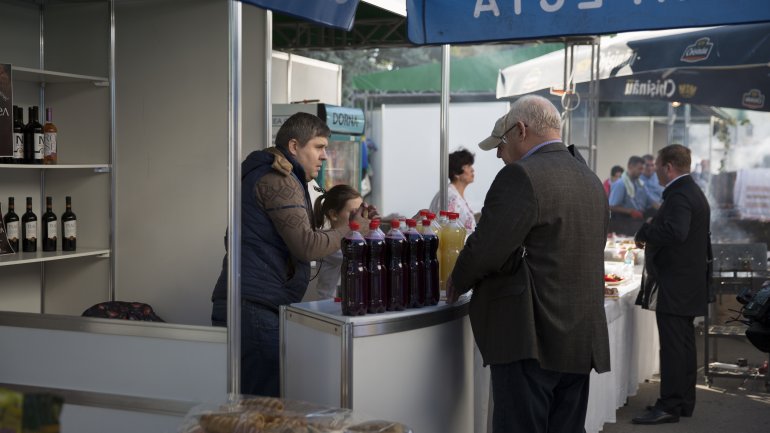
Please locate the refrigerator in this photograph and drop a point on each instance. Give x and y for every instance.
(344, 154)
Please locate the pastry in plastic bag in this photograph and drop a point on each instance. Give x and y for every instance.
(377, 426)
(232, 422)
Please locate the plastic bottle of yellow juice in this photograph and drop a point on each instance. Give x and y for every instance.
(451, 242)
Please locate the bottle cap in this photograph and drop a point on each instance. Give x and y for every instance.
(431, 215)
(411, 223)
(443, 213)
(354, 225)
(424, 213)
(374, 224)
(426, 222)
(394, 223)
(453, 215)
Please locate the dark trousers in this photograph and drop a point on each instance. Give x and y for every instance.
(260, 364)
(529, 399)
(678, 363)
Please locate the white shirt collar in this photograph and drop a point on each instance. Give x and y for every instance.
(676, 178)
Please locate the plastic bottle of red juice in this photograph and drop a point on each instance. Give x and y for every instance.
(431, 291)
(416, 266)
(375, 266)
(395, 244)
(354, 276)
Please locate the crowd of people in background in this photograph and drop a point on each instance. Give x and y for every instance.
(634, 194)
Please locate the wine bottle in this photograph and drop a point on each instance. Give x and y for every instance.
(49, 138)
(33, 139)
(69, 231)
(11, 221)
(18, 135)
(50, 226)
(29, 229)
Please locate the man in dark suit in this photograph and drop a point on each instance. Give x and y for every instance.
(536, 264)
(675, 283)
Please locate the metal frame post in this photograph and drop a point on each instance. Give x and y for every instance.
(235, 21)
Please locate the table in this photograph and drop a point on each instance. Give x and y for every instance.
(450, 391)
(634, 347)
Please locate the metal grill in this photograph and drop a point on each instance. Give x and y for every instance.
(736, 267)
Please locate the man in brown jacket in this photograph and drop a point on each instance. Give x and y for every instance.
(278, 241)
(536, 264)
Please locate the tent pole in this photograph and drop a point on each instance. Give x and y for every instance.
(233, 196)
(444, 137)
(268, 79)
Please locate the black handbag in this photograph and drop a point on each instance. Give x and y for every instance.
(648, 294)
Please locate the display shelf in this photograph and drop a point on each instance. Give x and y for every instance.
(41, 256)
(99, 168)
(43, 76)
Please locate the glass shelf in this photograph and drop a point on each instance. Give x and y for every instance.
(42, 76)
(41, 256)
(98, 168)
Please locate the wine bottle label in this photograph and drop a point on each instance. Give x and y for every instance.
(31, 230)
(52, 226)
(13, 231)
(39, 141)
(70, 230)
(49, 143)
(18, 145)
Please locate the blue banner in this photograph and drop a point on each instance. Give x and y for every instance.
(448, 22)
(332, 13)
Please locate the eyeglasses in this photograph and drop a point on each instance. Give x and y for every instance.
(503, 139)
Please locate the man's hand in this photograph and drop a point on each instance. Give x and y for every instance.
(371, 211)
(635, 214)
(363, 215)
(452, 294)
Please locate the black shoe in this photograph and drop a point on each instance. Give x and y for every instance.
(655, 416)
(683, 413)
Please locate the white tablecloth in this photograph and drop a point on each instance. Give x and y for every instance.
(634, 358)
(634, 346)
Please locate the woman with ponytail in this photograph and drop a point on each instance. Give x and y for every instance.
(332, 209)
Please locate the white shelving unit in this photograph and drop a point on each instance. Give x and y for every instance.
(60, 58)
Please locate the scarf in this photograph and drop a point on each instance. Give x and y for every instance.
(629, 184)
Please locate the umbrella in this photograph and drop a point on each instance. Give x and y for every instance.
(332, 13)
(450, 22)
(726, 66)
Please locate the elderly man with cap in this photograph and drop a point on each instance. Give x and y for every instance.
(536, 264)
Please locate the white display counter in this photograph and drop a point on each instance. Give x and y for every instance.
(413, 366)
(119, 376)
(418, 366)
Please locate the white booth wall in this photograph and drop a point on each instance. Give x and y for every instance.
(297, 78)
(171, 93)
(406, 164)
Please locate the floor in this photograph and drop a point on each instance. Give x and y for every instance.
(729, 405)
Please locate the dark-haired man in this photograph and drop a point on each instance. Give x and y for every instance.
(278, 241)
(675, 284)
(650, 179)
(630, 202)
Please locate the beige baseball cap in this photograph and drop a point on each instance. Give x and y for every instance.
(502, 126)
